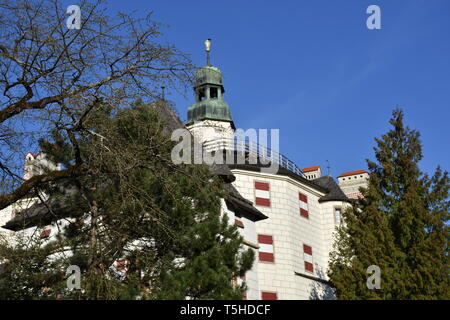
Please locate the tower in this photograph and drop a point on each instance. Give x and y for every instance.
(209, 118)
(351, 181)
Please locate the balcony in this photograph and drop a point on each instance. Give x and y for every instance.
(252, 150)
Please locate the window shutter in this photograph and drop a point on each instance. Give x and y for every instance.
(308, 258)
(268, 296)
(262, 194)
(265, 248)
(303, 203)
(45, 233)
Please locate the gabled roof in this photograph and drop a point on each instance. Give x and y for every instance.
(34, 155)
(243, 206)
(281, 171)
(39, 214)
(334, 191)
(325, 184)
(173, 122)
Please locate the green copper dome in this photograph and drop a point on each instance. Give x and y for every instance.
(209, 92)
(212, 109)
(208, 75)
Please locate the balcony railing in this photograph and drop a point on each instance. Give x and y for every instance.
(252, 149)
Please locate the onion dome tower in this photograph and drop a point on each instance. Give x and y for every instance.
(209, 118)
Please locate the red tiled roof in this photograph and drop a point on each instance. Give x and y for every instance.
(351, 173)
(34, 154)
(309, 169)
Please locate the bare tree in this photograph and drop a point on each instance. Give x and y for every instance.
(51, 77)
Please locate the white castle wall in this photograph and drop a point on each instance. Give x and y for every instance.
(290, 231)
(248, 232)
(209, 130)
(35, 164)
(9, 212)
(6, 215)
(329, 224)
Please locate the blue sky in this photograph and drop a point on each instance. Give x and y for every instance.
(313, 70)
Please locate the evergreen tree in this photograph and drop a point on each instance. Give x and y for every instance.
(129, 202)
(400, 224)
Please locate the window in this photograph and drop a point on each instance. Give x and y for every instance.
(337, 216)
(213, 93)
(268, 295)
(45, 233)
(262, 194)
(265, 248)
(303, 204)
(238, 222)
(121, 265)
(308, 258)
(201, 94)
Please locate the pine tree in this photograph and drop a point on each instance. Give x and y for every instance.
(131, 203)
(400, 224)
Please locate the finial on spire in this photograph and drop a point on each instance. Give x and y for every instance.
(208, 49)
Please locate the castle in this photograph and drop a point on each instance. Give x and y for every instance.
(288, 217)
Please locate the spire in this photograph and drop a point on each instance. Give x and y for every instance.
(209, 90)
(208, 49)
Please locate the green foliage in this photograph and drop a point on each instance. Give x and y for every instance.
(131, 203)
(26, 270)
(400, 225)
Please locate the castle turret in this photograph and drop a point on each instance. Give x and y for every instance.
(36, 164)
(209, 118)
(351, 181)
(311, 173)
